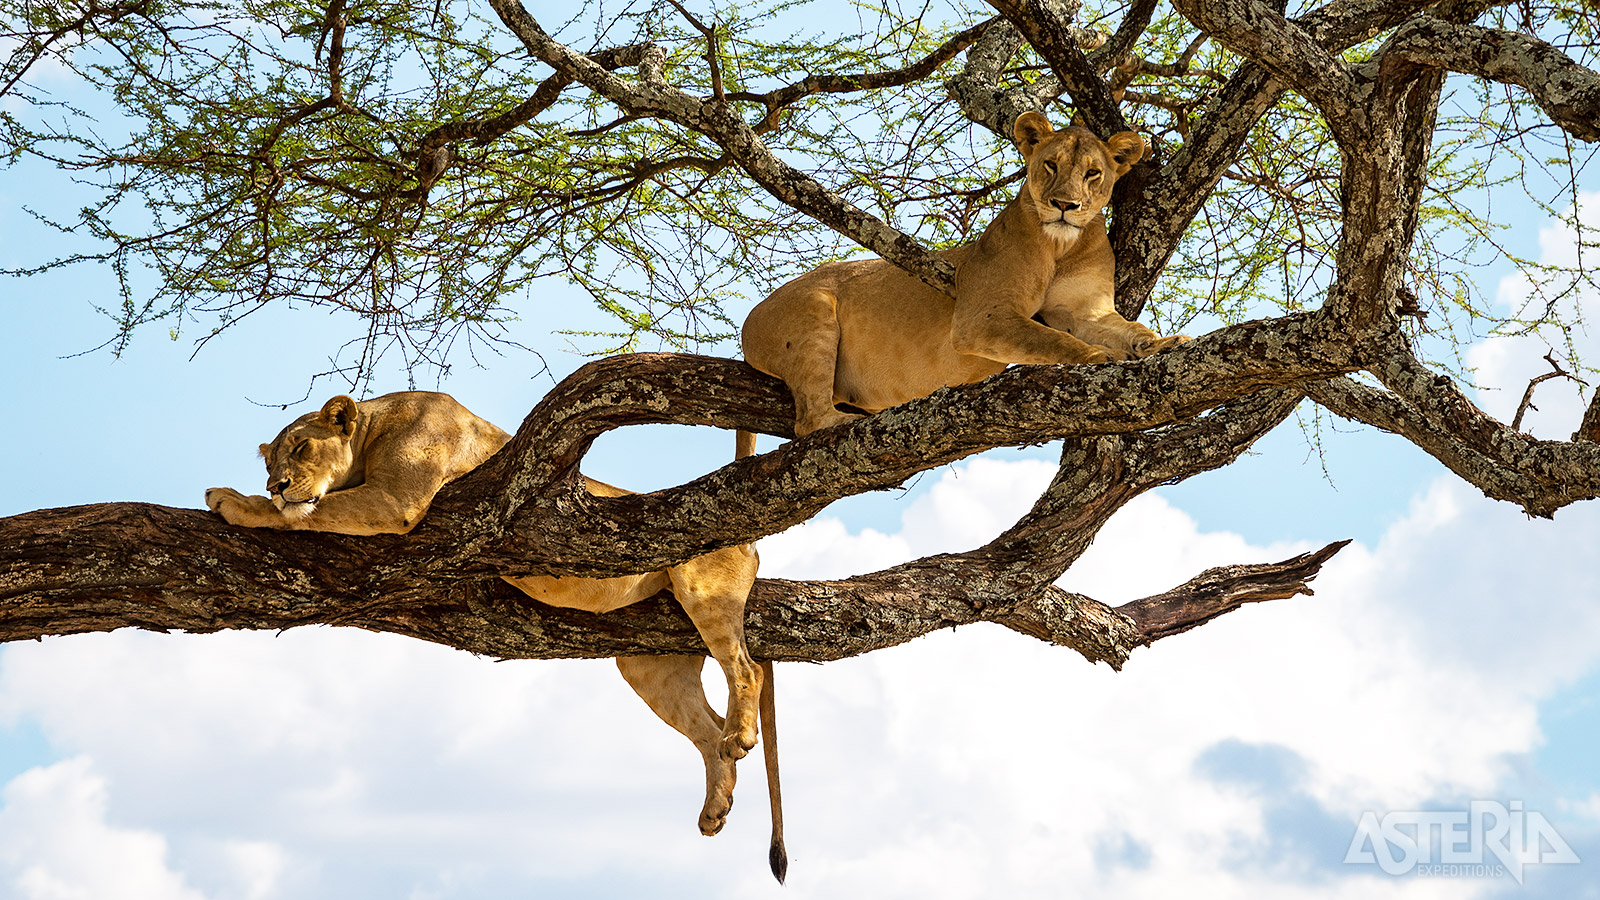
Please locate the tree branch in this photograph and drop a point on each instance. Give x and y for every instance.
(108, 566)
(1223, 590)
(1046, 25)
(1428, 410)
(1567, 91)
(1291, 53)
(652, 96)
(831, 83)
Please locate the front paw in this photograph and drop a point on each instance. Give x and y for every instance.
(216, 496)
(1153, 346)
(826, 419)
(1093, 356)
(238, 509)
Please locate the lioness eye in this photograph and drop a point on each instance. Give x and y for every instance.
(1050, 166)
(1092, 173)
(299, 448)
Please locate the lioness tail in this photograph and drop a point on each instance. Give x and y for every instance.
(777, 856)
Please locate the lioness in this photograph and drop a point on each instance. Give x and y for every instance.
(373, 467)
(1036, 287)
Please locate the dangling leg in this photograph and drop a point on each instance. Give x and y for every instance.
(712, 589)
(671, 686)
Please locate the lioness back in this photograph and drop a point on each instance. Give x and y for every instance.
(892, 337)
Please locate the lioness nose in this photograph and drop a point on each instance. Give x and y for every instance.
(278, 488)
(1066, 205)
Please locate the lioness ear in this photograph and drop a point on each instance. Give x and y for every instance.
(263, 450)
(340, 415)
(1031, 128)
(1126, 149)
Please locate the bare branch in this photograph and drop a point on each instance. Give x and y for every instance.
(1527, 395)
(1428, 410)
(1223, 590)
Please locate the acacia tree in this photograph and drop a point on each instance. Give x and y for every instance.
(423, 165)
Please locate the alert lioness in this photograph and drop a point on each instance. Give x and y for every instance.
(1036, 287)
(373, 467)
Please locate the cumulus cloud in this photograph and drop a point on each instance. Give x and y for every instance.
(55, 842)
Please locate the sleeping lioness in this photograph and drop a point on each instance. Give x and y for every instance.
(374, 467)
(1036, 287)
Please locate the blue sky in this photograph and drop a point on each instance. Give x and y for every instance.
(1448, 655)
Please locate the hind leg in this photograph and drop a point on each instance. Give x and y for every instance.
(794, 335)
(712, 589)
(671, 687)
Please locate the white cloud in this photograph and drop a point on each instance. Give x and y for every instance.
(55, 842)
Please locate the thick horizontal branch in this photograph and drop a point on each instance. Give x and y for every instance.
(1567, 91)
(785, 620)
(754, 497)
(116, 565)
(525, 511)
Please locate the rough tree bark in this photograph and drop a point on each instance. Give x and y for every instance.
(1125, 427)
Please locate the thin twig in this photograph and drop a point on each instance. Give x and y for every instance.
(1527, 395)
(711, 48)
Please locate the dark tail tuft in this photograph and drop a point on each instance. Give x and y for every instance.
(779, 858)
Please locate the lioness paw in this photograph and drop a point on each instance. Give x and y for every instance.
(827, 419)
(1156, 345)
(215, 496)
(736, 745)
(715, 814)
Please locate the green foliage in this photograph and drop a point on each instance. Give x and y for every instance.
(255, 152)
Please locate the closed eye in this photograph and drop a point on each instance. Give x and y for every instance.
(299, 449)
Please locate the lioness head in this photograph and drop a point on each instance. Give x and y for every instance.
(1070, 172)
(310, 457)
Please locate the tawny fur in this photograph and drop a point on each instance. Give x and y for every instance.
(1036, 287)
(373, 467)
